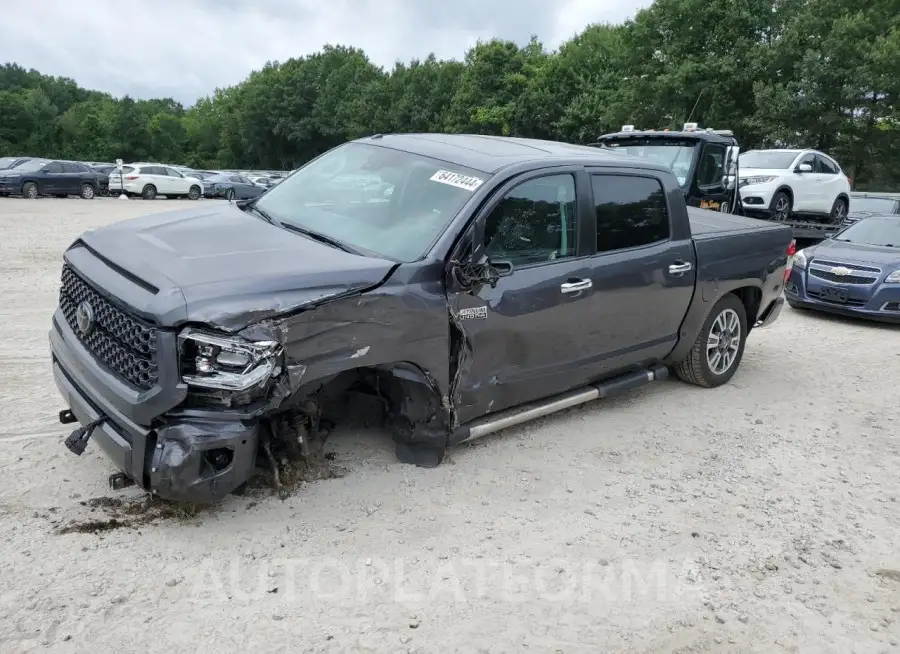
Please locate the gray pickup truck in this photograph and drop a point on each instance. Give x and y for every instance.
(468, 283)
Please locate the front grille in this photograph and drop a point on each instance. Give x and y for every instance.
(124, 343)
(841, 279)
(852, 266)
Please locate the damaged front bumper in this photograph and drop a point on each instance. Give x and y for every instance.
(195, 456)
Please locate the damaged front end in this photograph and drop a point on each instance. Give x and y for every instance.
(208, 447)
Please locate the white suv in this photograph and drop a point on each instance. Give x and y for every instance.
(779, 184)
(149, 180)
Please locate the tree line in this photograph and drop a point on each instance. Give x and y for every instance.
(779, 73)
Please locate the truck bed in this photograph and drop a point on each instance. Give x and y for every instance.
(706, 224)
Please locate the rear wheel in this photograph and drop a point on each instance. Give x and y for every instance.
(149, 192)
(781, 206)
(229, 194)
(838, 211)
(30, 190)
(719, 348)
(87, 192)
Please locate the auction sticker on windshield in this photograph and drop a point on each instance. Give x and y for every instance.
(455, 179)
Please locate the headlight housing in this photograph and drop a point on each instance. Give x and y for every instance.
(893, 278)
(229, 363)
(759, 179)
(800, 259)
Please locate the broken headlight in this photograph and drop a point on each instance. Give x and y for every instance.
(228, 363)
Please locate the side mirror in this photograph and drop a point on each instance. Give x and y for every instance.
(803, 168)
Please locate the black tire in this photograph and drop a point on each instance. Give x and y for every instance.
(30, 191)
(229, 194)
(839, 211)
(781, 206)
(194, 193)
(148, 192)
(87, 192)
(697, 368)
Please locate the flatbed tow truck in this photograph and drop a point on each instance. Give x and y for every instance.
(705, 161)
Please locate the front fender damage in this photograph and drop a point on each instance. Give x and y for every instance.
(370, 347)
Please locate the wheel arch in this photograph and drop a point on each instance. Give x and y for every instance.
(784, 188)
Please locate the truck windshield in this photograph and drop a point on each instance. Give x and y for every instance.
(882, 232)
(675, 155)
(388, 202)
(767, 160)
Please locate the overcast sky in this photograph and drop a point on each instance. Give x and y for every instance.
(186, 48)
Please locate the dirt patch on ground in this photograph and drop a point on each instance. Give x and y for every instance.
(108, 513)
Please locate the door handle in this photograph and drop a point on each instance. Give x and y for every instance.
(680, 268)
(576, 287)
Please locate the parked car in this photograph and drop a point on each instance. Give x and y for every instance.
(854, 273)
(148, 180)
(231, 186)
(36, 177)
(503, 273)
(779, 184)
(863, 205)
(11, 162)
(261, 180)
(102, 171)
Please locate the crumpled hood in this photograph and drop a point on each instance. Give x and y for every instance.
(233, 268)
(857, 253)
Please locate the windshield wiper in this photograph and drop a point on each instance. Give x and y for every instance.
(327, 240)
(247, 208)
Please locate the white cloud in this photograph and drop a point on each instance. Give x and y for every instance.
(187, 48)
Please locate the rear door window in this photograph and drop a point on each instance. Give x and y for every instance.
(53, 167)
(826, 166)
(631, 211)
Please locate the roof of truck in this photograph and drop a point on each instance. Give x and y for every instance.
(489, 153)
(701, 135)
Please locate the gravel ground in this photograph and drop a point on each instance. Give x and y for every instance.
(758, 517)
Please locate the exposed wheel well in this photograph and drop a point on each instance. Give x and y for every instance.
(750, 297)
(406, 396)
(844, 196)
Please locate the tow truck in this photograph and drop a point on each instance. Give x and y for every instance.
(705, 161)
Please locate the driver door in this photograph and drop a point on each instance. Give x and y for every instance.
(525, 334)
(804, 185)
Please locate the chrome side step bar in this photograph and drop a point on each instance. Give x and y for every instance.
(518, 415)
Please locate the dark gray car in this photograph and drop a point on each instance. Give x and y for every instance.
(231, 186)
(456, 279)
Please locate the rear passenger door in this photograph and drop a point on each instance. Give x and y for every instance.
(643, 272)
(72, 177)
(832, 182)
